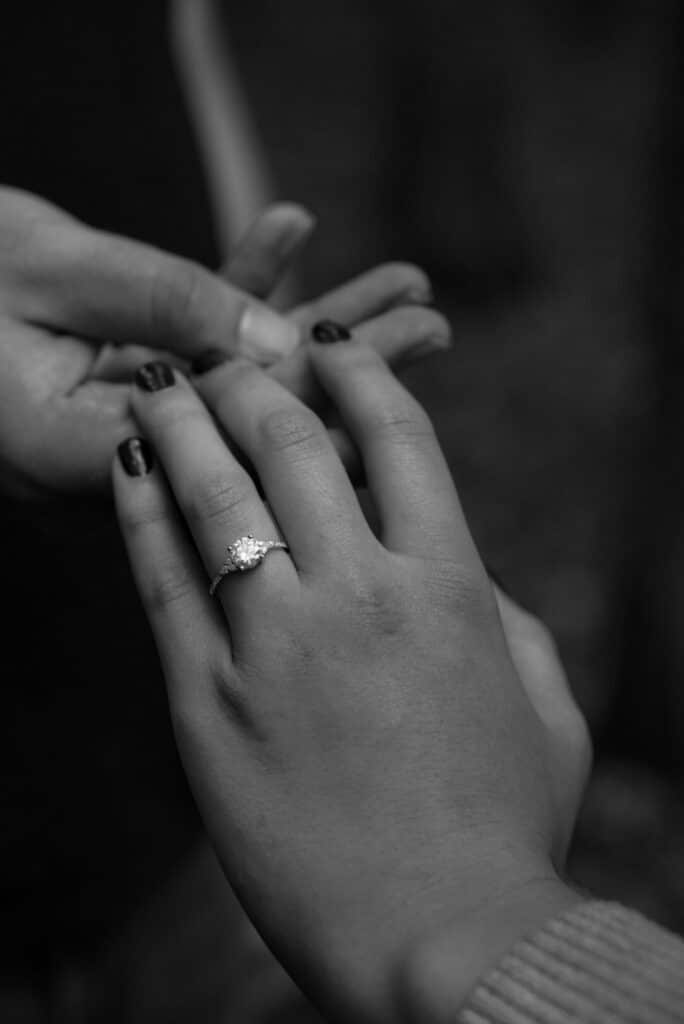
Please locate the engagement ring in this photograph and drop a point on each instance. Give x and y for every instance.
(243, 554)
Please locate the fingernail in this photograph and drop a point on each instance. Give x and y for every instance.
(136, 456)
(425, 347)
(208, 360)
(264, 336)
(423, 296)
(435, 343)
(154, 377)
(326, 332)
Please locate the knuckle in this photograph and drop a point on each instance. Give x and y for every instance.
(138, 518)
(400, 422)
(177, 297)
(379, 605)
(171, 584)
(296, 431)
(174, 412)
(218, 497)
(459, 589)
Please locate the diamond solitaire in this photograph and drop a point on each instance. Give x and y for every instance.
(246, 553)
(243, 554)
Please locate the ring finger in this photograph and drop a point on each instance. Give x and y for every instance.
(214, 492)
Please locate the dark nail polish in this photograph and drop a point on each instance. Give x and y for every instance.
(136, 456)
(208, 360)
(327, 331)
(154, 377)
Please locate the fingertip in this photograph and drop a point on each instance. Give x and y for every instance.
(265, 336)
(285, 212)
(333, 347)
(411, 282)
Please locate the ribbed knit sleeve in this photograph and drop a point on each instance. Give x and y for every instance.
(599, 963)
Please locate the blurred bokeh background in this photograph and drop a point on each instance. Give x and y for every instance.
(529, 156)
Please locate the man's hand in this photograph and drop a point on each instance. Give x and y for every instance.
(81, 309)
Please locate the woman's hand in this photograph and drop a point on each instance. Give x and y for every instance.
(80, 309)
(368, 762)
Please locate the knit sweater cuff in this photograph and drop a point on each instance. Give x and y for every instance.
(596, 964)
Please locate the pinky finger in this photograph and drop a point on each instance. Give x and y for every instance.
(187, 625)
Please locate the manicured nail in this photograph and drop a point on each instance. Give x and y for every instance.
(154, 377)
(264, 336)
(326, 332)
(208, 360)
(136, 456)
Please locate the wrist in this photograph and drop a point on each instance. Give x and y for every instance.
(444, 966)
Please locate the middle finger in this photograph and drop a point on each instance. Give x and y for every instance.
(299, 469)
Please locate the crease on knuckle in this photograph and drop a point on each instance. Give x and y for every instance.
(139, 518)
(173, 413)
(379, 605)
(460, 589)
(218, 497)
(178, 299)
(400, 423)
(170, 584)
(298, 433)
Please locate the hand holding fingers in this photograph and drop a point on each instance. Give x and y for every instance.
(397, 336)
(81, 310)
(113, 289)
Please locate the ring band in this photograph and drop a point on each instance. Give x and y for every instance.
(243, 554)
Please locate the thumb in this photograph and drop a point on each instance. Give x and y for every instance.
(114, 289)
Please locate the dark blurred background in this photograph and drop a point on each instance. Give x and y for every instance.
(529, 156)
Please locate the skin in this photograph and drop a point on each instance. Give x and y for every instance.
(384, 750)
(81, 309)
